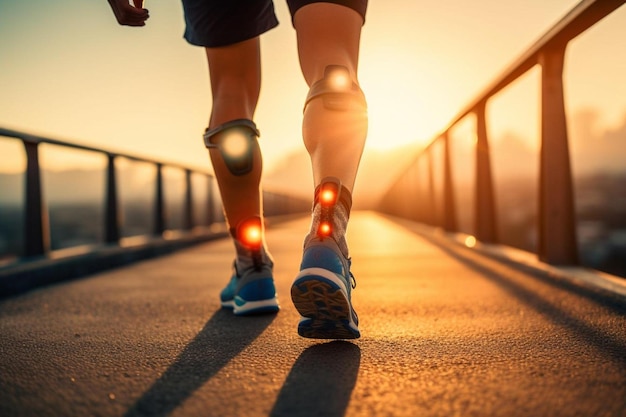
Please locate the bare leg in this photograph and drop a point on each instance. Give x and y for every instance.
(329, 34)
(334, 135)
(235, 73)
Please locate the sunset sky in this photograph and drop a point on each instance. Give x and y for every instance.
(68, 71)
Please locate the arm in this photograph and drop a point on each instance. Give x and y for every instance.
(128, 15)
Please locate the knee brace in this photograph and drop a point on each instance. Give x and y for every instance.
(337, 90)
(235, 143)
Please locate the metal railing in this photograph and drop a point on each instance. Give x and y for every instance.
(36, 228)
(557, 240)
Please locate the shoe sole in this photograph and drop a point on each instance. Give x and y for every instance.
(321, 299)
(242, 307)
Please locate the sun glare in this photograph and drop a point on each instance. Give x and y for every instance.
(394, 123)
(400, 107)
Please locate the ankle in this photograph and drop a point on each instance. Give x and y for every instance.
(249, 241)
(331, 212)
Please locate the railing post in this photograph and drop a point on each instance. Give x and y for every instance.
(36, 231)
(431, 218)
(268, 204)
(111, 222)
(485, 211)
(422, 197)
(210, 203)
(557, 223)
(415, 212)
(449, 206)
(159, 203)
(188, 221)
(411, 193)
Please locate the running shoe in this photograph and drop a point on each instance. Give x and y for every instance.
(251, 291)
(321, 292)
(251, 287)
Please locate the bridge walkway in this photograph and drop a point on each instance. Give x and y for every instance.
(445, 331)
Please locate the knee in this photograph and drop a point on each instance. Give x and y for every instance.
(235, 141)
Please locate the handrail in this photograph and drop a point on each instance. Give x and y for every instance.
(36, 230)
(556, 226)
(583, 16)
(36, 140)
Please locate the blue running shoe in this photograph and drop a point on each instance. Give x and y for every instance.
(321, 292)
(251, 287)
(251, 292)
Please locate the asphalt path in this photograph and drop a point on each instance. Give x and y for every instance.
(445, 332)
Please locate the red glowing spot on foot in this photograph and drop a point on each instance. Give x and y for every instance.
(324, 229)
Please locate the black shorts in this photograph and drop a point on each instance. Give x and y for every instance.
(214, 23)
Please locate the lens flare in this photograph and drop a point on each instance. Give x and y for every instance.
(470, 241)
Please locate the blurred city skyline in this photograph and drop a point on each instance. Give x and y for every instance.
(593, 151)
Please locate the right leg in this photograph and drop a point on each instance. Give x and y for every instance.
(334, 130)
(334, 127)
(329, 34)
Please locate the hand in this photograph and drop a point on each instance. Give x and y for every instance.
(128, 15)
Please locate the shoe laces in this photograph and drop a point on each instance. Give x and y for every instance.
(352, 278)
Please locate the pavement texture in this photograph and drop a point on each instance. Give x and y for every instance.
(445, 332)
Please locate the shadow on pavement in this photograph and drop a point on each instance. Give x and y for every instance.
(320, 382)
(562, 315)
(222, 339)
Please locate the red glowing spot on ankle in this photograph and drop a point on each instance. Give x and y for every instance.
(327, 197)
(250, 233)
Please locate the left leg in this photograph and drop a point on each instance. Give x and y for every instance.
(235, 74)
(229, 31)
